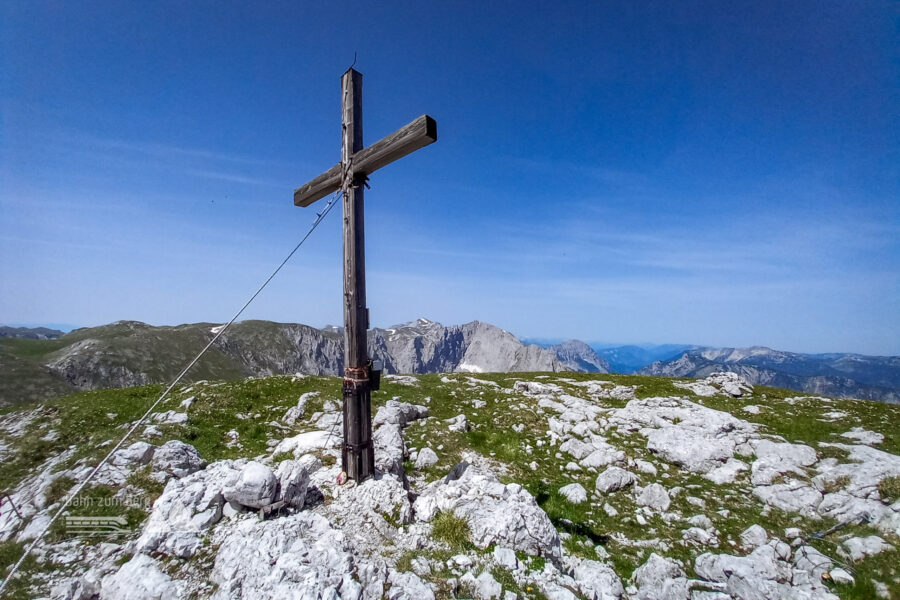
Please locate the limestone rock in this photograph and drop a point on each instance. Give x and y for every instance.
(727, 472)
(139, 579)
(399, 413)
(295, 413)
(275, 558)
(684, 433)
(505, 515)
(124, 462)
(660, 579)
(731, 383)
(598, 581)
(170, 417)
(754, 536)
(864, 436)
(486, 587)
(655, 496)
(255, 487)
(841, 576)
(645, 467)
(699, 536)
(792, 496)
(614, 479)
(304, 443)
(767, 572)
(377, 499)
(774, 459)
(858, 548)
(293, 479)
(408, 586)
(387, 437)
(426, 458)
(390, 448)
(506, 558)
(186, 509)
(701, 521)
(138, 453)
(689, 449)
(574, 493)
(176, 459)
(459, 424)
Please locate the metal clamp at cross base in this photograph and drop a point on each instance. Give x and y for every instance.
(351, 176)
(357, 450)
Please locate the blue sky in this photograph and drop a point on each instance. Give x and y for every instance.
(700, 172)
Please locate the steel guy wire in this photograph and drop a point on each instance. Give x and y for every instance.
(77, 489)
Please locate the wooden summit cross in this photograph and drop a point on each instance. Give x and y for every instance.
(349, 175)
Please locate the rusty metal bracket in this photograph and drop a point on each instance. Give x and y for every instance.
(356, 379)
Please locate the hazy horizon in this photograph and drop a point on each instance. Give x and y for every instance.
(597, 345)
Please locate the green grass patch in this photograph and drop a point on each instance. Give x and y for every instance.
(889, 489)
(57, 490)
(453, 530)
(20, 588)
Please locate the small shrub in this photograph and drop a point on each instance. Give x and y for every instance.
(123, 558)
(833, 452)
(506, 579)
(141, 479)
(451, 529)
(836, 485)
(57, 490)
(404, 563)
(889, 488)
(282, 456)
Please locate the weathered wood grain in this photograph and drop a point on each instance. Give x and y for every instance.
(408, 139)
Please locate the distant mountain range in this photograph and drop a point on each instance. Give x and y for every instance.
(630, 359)
(839, 375)
(29, 333)
(42, 363)
(129, 353)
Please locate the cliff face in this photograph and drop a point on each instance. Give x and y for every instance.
(130, 353)
(575, 355)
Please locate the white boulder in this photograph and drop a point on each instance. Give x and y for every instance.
(175, 459)
(255, 487)
(597, 581)
(614, 479)
(187, 508)
(139, 579)
(574, 493)
(426, 458)
(660, 579)
(858, 548)
(654, 496)
(408, 586)
(505, 515)
(754, 536)
(293, 480)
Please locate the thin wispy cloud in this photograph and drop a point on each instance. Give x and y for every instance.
(86, 141)
(235, 178)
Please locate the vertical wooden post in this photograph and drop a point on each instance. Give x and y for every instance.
(358, 454)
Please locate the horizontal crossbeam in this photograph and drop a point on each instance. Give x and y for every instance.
(419, 133)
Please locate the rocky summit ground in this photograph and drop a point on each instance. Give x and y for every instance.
(503, 486)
